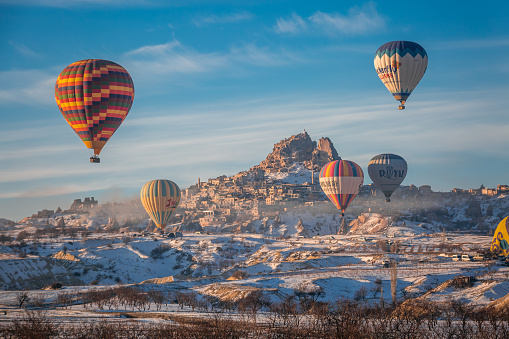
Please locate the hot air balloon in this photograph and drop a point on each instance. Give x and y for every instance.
(160, 198)
(500, 242)
(341, 180)
(387, 171)
(94, 97)
(400, 65)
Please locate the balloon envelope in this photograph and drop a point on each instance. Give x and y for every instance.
(341, 180)
(400, 65)
(500, 242)
(387, 171)
(94, 97)
(160, 199)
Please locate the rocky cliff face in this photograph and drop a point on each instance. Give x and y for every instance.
(324, 153)
(299, 148)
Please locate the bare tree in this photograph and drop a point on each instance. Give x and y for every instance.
(253, 303)
(64, 299)
(37, 301)
(157, 297)
(21, 297)
(394, 281)
(34, 324)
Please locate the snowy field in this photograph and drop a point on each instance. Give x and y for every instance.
(226, 268)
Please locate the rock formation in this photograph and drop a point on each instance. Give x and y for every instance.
(324, 153)
(299, 148)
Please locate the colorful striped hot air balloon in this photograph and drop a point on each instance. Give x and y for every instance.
(341, 180)
(160, 198)
(387, 171)
(94, 97)
(400, 65)
(500, 242)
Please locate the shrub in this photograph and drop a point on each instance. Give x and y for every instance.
(463, 281)
(360, 294)
(56, 285)
(157, 253)
(239, 274)
(5, 238)
(22, 236)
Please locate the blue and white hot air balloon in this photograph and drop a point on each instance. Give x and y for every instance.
(400, 65)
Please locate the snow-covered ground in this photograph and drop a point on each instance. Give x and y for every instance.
(331, 266)
(296, 254)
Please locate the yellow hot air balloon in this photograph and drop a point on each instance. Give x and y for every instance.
(500, 242)
(160, 198)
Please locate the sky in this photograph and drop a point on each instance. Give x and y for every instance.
(218, 83)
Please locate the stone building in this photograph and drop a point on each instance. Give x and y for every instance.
(88, 203)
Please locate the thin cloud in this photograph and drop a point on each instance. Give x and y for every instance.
(150, 50)
(293, 25)
(24, 50)
(22, 154)
(359, 20)
(31, 87)
(252, 54)
(173, 58)
(222, 19)
(43, 191)
(470, 44)
(13, 133)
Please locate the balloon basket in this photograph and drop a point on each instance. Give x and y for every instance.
(401, 107)
(95, 159)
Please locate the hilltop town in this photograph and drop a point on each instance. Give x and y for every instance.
(260, 199)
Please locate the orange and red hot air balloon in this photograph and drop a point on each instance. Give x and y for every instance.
(94, 97)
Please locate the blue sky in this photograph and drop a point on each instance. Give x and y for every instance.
(219, 82)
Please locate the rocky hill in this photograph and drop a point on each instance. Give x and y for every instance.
(299, 149)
